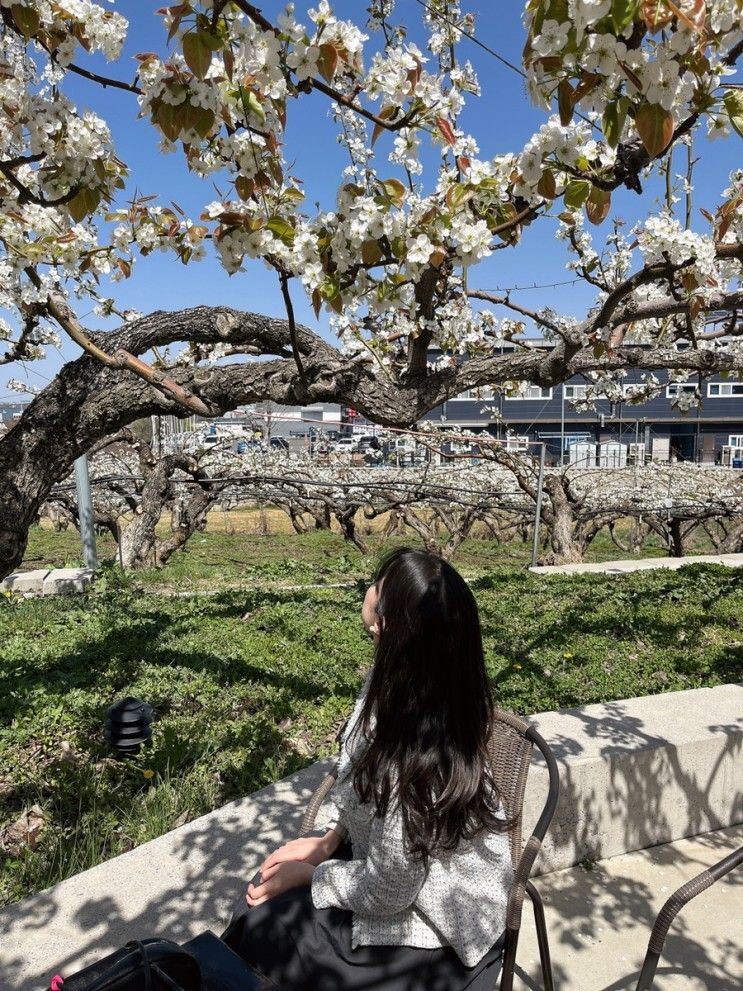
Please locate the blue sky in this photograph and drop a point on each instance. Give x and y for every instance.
(502, 119)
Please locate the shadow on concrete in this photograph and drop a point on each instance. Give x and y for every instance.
(583, 916)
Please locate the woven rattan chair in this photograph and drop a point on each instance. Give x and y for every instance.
(673, 906)
(511, 747)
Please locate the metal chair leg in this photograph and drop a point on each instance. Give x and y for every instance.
(542, 940)
(509, 959)
(647, 974)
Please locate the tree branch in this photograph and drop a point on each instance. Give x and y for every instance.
(56, 305)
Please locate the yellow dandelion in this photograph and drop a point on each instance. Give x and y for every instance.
(148, 775)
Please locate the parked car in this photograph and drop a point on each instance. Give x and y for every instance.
(367, 442)
(280, 443)
(346, 445)
(246, 446)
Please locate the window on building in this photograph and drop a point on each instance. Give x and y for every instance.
(632, 389)
(579, 392)
(725, 390)
(735, 440)
(533, 392)
(575, 391)
(485, 393)
(674, 389)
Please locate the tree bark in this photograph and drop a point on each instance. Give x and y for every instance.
(566, 547)
(732, 543)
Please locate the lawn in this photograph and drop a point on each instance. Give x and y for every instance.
(251, 667)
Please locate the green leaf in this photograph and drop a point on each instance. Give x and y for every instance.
(168, 120)
(213, 41)
(371, 252)
(281, 228)
(84, 203)
(197, 51)
(394, 190)
(623, 13)
(327, 61)
(733, 101)
(597, 205)
(576, 193)
(655, 127)
(26, 20)
(205, 122)
(316, 302)
(458, 194)
(565, 101)
(251, 104)
(613, 120)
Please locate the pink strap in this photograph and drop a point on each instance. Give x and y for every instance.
(57, 982)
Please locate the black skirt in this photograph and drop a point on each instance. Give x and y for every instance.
(301, 948)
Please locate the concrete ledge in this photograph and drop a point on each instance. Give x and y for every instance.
(67, 581)
(638, 564)
(25, 582)
(59, 581)
(635, 773)
(640, 772)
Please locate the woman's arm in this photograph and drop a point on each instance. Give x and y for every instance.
(312, 849)
(387, 882)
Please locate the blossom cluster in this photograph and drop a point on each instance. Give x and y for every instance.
(615, 73)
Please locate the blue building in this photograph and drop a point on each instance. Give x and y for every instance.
(705, 433)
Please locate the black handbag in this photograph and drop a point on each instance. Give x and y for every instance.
(141, 965)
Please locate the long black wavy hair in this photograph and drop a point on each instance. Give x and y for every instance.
(428, 712)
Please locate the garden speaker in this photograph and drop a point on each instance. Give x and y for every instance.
(128, 725)
(141, 965)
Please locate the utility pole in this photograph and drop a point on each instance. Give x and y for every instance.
(637, 448)
(538, 510)
(85, 512)
(562, 424)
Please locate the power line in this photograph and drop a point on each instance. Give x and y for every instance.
(543, 285)
(491, 51)
(473, 38)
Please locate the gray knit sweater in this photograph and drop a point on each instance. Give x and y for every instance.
(459, 901)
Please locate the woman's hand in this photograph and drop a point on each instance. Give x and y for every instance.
(278, 879)
(310, 849)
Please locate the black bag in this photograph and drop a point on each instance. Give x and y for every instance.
(221, 968)
(141, 965)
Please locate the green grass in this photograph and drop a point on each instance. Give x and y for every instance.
(249, 682)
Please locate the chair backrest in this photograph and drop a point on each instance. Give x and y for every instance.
(510, 757)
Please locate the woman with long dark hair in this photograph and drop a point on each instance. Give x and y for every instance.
(407, 890)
